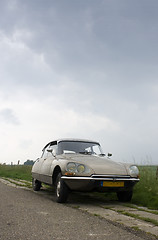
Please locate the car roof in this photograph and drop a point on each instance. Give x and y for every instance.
(71, 140)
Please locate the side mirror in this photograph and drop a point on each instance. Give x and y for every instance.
(49, 150)
(109, 154)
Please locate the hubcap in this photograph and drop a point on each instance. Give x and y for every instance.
(58, 188)
(34, 182)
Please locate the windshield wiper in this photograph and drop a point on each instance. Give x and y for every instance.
(85, 152)
(102, 154)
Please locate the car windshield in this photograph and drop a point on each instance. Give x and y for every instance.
(79, 147)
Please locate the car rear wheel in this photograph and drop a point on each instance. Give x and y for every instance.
(36, 185)
(125, 196)
(61, 190)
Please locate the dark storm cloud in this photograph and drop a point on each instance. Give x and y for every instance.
(107, 47)
(71, 34)
(109, 42)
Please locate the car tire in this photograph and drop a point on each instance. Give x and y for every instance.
(36, 185)
(61, 190)
(125, 196)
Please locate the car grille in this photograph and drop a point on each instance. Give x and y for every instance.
(112, 177)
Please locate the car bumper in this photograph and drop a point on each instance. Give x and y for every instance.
(100, 183)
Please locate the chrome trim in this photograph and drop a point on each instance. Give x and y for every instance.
(109, 175)
(101, 179)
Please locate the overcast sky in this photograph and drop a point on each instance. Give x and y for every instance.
(81, 69)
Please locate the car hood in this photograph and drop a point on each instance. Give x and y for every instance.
(99, 165)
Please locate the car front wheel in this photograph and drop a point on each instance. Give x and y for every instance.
(125, 196)
(36, 185)
(61, 190)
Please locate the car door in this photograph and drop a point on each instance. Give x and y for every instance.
(46, 167)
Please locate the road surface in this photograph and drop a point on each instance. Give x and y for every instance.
(27, 215)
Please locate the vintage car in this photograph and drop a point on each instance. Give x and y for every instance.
(80, 165)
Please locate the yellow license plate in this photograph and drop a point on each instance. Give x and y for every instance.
(112, 184)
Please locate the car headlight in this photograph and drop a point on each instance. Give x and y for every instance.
(71, 167)
(77, 168)
(81, 168)
(134, 172)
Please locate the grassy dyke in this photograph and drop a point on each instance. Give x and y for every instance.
(145, 192)
(16, 172)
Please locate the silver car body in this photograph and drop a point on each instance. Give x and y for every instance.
(81, 168)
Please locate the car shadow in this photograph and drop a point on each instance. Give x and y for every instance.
(92, 198)
(81, 198)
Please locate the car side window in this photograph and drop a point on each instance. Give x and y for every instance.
(54, 149)
(96, 150)
(45, 153)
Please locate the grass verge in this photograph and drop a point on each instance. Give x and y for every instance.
(16, 172)
(137, 216)
(146, 191)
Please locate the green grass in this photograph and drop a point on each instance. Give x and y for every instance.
(146, 191)
(16, 172)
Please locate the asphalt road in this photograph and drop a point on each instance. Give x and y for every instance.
(26, 215)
